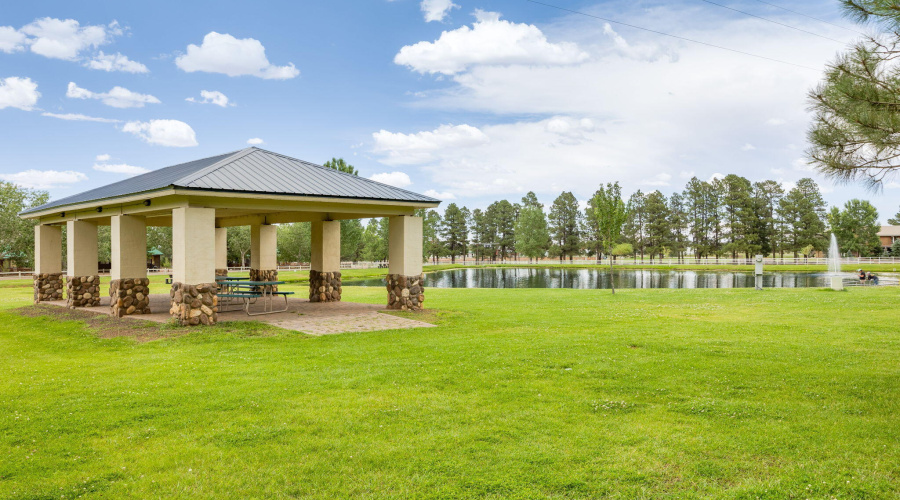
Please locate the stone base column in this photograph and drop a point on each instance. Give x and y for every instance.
(194, 304)
(129, 296)
(221, 272)
(406, 293)
(325, 286)
(83, 291)
(265, 275)
(48, 286)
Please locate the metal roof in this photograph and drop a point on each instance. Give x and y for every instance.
(889, 231)
(251, 170)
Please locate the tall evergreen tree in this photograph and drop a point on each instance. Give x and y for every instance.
(565, 225)
(678, 226)
(502, 217)
(455, 230)
(895, 220)
(765, 225)
(856, 128)
(635, 223)
(738, 214)
(658, 227)
(432, 247)
(532, 234)
(803, 210)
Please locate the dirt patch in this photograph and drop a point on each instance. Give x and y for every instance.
(103, 325)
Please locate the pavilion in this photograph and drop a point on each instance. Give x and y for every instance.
(200, 200)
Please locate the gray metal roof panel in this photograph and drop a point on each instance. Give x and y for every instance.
(250, 170)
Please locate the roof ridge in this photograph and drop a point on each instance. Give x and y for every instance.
(344, 173)
(193, 176)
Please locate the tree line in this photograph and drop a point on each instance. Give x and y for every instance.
(729, 216)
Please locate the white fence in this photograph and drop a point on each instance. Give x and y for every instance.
(769, 261)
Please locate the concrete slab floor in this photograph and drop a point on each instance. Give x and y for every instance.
(302, 315)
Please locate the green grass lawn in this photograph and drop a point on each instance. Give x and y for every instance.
(516, 394)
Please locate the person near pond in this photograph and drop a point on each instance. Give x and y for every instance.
(871, 277)
(865, 277)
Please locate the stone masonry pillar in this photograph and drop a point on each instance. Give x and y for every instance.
(325, 262)
(82, 275)
(221, 251)
(48, 282)
(129, 287)
(194, 294)
(263, 252)
(405, 281)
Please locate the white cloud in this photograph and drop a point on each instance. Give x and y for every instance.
(436, 10)
(18, 93)
(43, 179)
(103, 157)
(396, 179)
(211, 97)
(11, 40)
(748, 147)
(223, 53)
(716, 176)
(115, 62)
(256, 141)
(76, 117)
(440, 195)
(489, 42)
(117, 97)
(66, 39)
(775, 122)
(661, 179)
(120, 168)
(171, 133)
(420, 147)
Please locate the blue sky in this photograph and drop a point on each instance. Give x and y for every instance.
(471, 101)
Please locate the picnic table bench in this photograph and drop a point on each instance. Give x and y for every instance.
(244, 292)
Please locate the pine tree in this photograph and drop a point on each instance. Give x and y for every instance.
(502, 219)
(455, 231)
(565, 225)
(856, 128)
(895, 220)
(635, 222)
(803, 210)
(677, 226)
(431, 233)
(532, 235)
(766, 196)
(657, 227)
(738, 214)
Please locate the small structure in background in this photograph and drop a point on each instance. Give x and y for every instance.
(888, 235)
(154, 259)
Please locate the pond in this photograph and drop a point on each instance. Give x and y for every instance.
(600, 278)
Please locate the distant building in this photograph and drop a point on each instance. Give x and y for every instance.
(888, 235)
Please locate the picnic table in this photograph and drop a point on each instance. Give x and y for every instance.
(244, 292)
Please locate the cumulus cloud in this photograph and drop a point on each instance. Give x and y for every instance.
(44, 179)
(115, 62)
(120, 168)
(421, 147)
(436, 10)
(489, 42)
(103, 157)
(11, 40)
(77, 117)
(439, 195)
(20, 93)
(117, 97)
(211, 97)
(172, 133)
(66, 39)
(658, 180)
(256, 141)
(396, 179)
(223, 53)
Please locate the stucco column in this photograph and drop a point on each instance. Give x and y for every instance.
(325, 262)
(129, 287)
(194, 291)
(221, 251)
(405, 281)
(48, 283)
(263, 252)
(82, 275)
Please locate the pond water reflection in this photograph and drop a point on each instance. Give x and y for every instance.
(600, 278)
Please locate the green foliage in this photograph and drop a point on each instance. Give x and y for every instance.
(635, 221)
(855, 133)
(532, 234)
(238, 243)
(375, 240)
(606, 212)
(895, 248)
(565, 226)
(802, 211)
(657, 228)
(623, 249)
(856, 228)
(432, 246)
(294, 242)
(455, 230)
(340, 165)
(17, 235)
(351, 240)
(895, 220)
(160, 238)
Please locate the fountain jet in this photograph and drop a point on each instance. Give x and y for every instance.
(834, 265)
